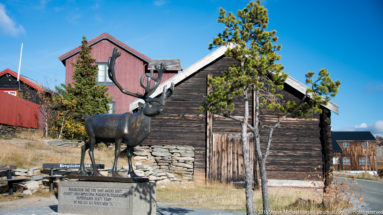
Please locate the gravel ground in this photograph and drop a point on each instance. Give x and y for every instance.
(48, 206)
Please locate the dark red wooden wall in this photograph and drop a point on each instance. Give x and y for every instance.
(16, 111)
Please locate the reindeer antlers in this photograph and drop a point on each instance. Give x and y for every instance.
(150, 76)
(150, 89)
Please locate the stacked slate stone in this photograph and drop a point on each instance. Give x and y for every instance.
(164, 163)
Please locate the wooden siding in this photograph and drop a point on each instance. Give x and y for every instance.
(129, 69)
(296, 150)
(10, 83)
(356, 151)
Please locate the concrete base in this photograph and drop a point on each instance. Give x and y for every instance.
(93, 198)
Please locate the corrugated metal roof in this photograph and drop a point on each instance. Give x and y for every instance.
(349, 135)
(171, 64)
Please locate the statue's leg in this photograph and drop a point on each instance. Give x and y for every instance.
(82, 167)
(91, 155)
(131, 171)
(117, 151)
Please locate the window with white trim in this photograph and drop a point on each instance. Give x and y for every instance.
(346, 161)
(364, 145)
(362, 161)
(111, 107)
(11, 92)
(346, 145)
(335, 160)
(102, 76)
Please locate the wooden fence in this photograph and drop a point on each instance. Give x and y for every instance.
(16, 111)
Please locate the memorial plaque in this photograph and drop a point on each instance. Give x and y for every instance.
(85, 197)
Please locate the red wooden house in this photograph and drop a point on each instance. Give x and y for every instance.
(19, 104)
(130, 66)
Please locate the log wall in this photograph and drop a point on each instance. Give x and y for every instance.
(296, 150)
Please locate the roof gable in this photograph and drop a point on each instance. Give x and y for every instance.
(22, 79)
(110, 38)
(206, 61)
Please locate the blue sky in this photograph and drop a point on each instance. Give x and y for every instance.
(344, 36)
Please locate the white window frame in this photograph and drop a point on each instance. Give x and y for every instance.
(11, 92)
(335, 160)
(346, 145)
(364, 145)
(102, 73)
(349, 161)
(362, 161)
(111, 107)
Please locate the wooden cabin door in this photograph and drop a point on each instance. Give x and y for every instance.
(226, 158)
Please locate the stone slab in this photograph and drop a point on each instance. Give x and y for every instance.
(101, 198)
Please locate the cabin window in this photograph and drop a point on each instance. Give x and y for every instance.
(102, 76)
(335, 160)
(362, 161)
(346, 145)
(364, 145)
(111, 107)
(346, 161)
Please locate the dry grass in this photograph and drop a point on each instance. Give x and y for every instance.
(227, 197)
(27, 154)
(30, 134)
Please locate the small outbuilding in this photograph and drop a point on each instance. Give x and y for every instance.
(301, 148)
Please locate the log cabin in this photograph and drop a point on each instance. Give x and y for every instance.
(353, 150)
(25, 88)
(130, 67)
(301, 148)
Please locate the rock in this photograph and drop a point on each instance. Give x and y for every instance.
(163, 181)
(183, 158)
(30, 187)
(161, 153)
(140, 158)
(37, 177)
(170, 175)
(141, 153)
(187, 154)
(152, 178)
(140, 173)
(183, 165)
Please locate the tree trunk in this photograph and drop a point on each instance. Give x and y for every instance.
(46, 127)
(246, 158)
(62, 127)
(265, 192)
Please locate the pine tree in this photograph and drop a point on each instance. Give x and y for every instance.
(84, 98)
(257, 71)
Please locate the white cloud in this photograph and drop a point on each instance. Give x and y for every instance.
(7, 25)
(159, 2)
(363, 125)
(375, 128)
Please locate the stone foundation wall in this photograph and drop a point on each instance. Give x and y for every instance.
(9, 131)
(164, 163)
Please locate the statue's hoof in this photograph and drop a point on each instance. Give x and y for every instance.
(83, 173)
(96, 174)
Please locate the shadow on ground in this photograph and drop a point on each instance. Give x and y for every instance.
(172, 211)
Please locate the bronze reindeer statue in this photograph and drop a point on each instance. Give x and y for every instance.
(128, 128)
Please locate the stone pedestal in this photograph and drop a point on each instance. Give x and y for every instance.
(93, 198)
